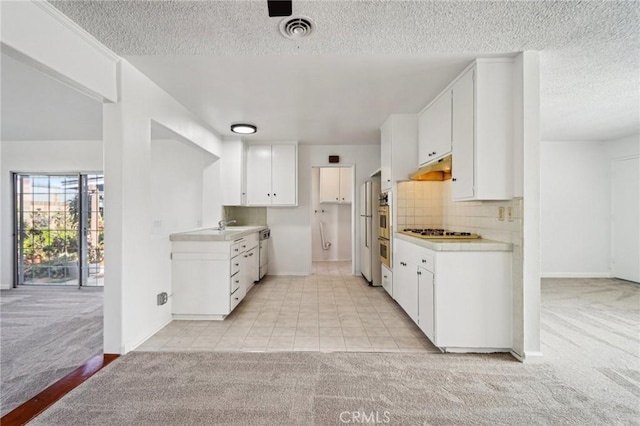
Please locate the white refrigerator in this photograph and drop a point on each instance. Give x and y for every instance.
(370, 265)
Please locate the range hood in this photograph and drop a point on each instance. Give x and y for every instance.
(439, 170)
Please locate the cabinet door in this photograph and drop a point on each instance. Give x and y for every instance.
(254, 265)
(231, 173)
(385, 156)
(330, 184)
(463, 166)
(426, 305)
(434, 130)
(346, 191)
(284, 174)
(405, 279)
(259, 175)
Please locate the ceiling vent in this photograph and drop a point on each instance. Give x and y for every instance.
(297, 27)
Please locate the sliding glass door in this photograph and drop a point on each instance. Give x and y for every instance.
(59, 229)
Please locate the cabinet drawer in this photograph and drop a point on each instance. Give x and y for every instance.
(425, 260)
(238, 247)
(235, 282)
(235, 266)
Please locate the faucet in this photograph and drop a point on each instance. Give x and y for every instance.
(223, 223)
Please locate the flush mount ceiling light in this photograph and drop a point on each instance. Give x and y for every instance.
(243, 129)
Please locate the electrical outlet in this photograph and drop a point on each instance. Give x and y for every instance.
(510, 214)
(162, 298)
(501, 213)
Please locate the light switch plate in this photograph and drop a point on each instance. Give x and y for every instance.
(501, 213)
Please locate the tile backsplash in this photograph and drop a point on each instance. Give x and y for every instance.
(245, 215)
(419, 205)
(429, 204)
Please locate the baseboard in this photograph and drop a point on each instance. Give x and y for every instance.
(129, 347)
(5, 287)
(528, 357)
(575, 275)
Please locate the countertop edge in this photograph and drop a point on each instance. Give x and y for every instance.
(194, 236)
(457, 245)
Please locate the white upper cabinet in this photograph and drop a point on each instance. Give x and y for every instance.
(482, 154)
(232, 173)
(272, 172)
(346, 185)
(463, 118)
(398, 148)
(434, 129)
(335, 185)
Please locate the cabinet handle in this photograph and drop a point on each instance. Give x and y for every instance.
(244, 246)
(419, 273)
(238, 281)
(454, 179)
(235, 249)
(388, 180)
(385, 276)
(337, 199)
(236, 298)
(434, 153)
(237, 264)
(268, 195)
(274, 194)
(250, 254)
(424, 261)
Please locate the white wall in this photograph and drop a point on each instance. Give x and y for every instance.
(291, 231)
(337, 219)
(624, 147)
(41, 157)
(176, 186)
(139, 265)
(575, 187)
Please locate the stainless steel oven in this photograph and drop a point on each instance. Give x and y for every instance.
(384, 248)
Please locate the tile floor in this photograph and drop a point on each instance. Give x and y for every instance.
(330, 311)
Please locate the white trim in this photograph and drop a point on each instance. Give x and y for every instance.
(575, 274)
(56, 75)
(529, 357)
(6, 287)
(77, 30)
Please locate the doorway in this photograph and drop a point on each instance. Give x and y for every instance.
(625, 226)
(332, 217)
(59, 229)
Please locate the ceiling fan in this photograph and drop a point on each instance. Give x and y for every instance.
(279, 7)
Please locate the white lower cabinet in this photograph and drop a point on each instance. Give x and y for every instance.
(461, 300)
(387, 280)
(210, 278)
(426, 303)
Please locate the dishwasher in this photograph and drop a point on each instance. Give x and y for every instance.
(265, 234)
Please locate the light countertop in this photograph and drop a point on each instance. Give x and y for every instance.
(215, 234)
(477, 244)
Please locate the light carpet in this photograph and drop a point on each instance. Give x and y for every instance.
(319, 388)
(46, 333)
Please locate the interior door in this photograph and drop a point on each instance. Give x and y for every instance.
(626, 219)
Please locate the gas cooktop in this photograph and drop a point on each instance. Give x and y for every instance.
(431, 233)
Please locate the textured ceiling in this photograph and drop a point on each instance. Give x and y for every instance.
(590, 56)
